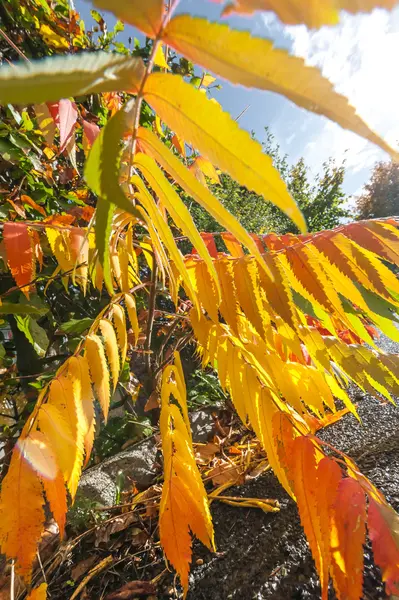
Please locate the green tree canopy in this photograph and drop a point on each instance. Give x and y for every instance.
(380, 196)
(321, 198)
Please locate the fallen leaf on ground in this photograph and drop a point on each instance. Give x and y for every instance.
(132, 589)
(265, 504)
(82, 567)
(204, 453)
(224, 472)
(104, 532)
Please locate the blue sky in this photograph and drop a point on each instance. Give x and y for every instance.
(359, 56)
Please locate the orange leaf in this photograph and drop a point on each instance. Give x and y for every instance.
(28, 200)
(383, 526)
(179, 145)
(21, 513)
(348, 531)
(39, 593)
(233, 245)
(19, 251)
(304, 466)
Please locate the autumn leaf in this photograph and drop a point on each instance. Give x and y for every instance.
(20, 257)
(218, 137)
(255, 63)
(348, 532)
(383, 526)
(294, 12)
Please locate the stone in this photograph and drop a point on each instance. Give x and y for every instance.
(138, 464)
(202, 425)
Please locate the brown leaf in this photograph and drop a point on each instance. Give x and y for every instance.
(132, 589)
(152, 402)
(82, 567)
(120, 523)
(225, 472)
(204, 453)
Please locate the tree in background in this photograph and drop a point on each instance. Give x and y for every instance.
(321, 199)
(380, 197)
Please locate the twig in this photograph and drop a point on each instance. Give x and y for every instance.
(12, 582)
(242, 112)
(11, 43)
(41, 566)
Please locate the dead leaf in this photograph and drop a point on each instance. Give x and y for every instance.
(204, 453)
(152, 402)
(132, 589)
(150, 498)
(265, 504)
(120, 523)
(225, 472)
(82, 567)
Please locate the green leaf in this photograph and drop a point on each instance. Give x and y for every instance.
(9, 308)
(34, 333)
(76, 325)
(102, 176)
(63, 76)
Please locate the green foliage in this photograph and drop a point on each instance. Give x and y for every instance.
(204, 390)
(380, 196)
(321, 198)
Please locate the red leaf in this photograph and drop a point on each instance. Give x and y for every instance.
(348, 533)
(68, 114)
(210, 244)
(383, 525)
(19, 251)
(90, 133)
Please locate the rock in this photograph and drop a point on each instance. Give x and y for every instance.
(138, 464)
(202, 425)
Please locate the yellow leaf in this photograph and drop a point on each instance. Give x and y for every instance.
(159, 58)
(95, 356)
(204, 285)
(21, 513)
(218, 137)
(146, 16)
(254, 62)
(172, 165)
(111, 348)
(54, 423)
(47, 126)
(207, 79)
(120, 326)
(53, 39)
(65, 395)
(207, 168)
(38, 452)
(165, 234)
(132, 314)
(78, 370)
(39, 593)
(175, 206)
(312, 14)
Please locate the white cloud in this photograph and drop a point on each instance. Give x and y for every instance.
(359, 56)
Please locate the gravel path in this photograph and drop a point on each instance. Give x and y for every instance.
(266, 555)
